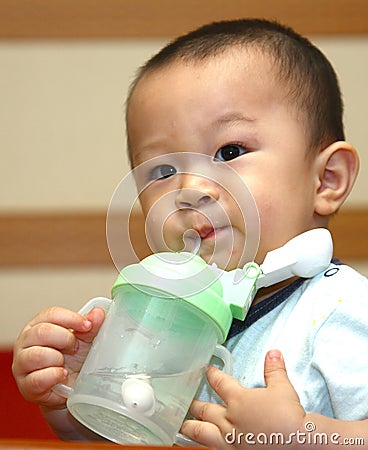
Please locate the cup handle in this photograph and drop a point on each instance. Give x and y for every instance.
(98, 302)
(222, 353)
(227, 358)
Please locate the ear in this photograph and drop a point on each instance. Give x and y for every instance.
(337, 169)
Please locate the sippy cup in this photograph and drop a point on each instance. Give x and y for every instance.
(167, 318)
(149, 357)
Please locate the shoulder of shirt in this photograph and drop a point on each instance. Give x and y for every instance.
(319, 295)
(338, 289)
(337, 302)
(339, 276)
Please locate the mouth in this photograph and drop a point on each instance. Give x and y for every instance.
(208, 232)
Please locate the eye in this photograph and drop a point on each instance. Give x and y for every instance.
(229, 152)
(161, 172)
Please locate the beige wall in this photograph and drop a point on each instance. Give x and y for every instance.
(62, 121)
(62, 146)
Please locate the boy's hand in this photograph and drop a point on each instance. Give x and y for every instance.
(274, 409)
(51, 349)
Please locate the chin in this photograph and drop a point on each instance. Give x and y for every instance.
(223, 261)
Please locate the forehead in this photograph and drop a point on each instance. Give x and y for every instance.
(184, 99)
(243, 79)
(227, 68)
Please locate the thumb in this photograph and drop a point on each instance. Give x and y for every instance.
(274, 368)
(96, 316)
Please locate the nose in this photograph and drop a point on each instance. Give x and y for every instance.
(196, 191)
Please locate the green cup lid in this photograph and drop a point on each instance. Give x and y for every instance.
(180, 275)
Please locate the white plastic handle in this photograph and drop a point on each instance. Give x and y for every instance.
(222, 353)
(227, 358)
(305, 256)
(98, 302)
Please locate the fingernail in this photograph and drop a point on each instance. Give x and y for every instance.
(65, 373)
(87, 324)
(274, 355)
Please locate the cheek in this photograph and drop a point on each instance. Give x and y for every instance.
(171, 233)
(150, 201)
(273, 217)
(145, 203)
(162, 230)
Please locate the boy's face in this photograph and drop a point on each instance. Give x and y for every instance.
(233, 110)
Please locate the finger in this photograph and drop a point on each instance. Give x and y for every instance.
(204, 433)
(208, 412)
(212, 413)
(62, 317)
(50, 335)
(36, 358)
(96, 317)
(225, 385)
(37, 386)
(276, 376)
(274, 368)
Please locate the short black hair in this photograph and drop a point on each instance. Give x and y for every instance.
(309, 77)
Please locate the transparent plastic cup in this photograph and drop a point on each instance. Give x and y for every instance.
(144, 367)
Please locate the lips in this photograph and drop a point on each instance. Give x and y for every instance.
(206, 231)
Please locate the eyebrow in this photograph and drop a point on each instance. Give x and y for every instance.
(232, 118)
(227, 119)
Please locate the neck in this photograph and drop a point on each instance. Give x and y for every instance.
(265, 292)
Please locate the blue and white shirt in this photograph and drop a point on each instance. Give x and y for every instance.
(321, 327)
